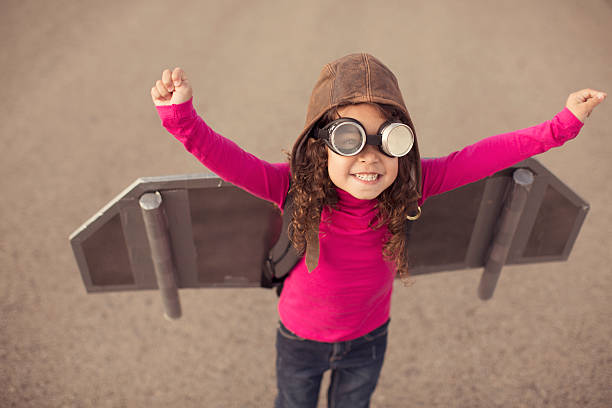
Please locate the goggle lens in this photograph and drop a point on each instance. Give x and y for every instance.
(348, 139)
(399, 141)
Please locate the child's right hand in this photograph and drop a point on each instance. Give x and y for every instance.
(172, 88)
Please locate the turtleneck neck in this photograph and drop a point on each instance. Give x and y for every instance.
(345, 199)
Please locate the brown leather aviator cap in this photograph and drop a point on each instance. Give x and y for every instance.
(352, 79)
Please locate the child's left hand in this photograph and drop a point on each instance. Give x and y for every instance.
(582, 103)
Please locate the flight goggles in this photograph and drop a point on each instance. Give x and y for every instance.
(347, 137)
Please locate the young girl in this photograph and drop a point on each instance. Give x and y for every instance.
(356, 180)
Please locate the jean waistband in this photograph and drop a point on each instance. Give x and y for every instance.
(377, 332)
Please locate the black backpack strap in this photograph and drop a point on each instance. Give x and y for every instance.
(282, 257)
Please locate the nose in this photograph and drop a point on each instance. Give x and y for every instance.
(369, 154)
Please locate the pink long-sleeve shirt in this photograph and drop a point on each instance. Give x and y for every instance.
(349, 293)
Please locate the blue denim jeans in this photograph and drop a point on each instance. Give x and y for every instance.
(355, 367)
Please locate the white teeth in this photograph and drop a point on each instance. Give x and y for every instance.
(367, 177)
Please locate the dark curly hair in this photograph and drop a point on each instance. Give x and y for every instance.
(312, 189)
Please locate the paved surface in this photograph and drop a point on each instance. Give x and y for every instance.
(78, 126)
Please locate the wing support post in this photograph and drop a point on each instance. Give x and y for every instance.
(522, 180)
(151, 206)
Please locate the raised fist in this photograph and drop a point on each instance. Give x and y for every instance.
(582, 103)
(172, 88)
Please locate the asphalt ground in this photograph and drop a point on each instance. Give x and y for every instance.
(78, 126)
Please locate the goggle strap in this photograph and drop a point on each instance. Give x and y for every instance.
(321, 133)
(383, 126)
(375, 140)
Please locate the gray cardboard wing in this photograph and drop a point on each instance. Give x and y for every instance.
(220, 235)
(456, 228)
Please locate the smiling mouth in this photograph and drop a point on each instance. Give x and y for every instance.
(366, 176)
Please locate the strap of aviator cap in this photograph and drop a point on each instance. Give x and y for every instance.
(312, 249)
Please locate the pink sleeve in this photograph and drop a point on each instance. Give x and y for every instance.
(224, 157)
(496, 153)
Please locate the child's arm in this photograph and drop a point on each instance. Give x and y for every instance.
(495, 153)
(172, 95)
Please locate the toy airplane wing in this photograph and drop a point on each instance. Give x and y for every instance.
(457, 228)
(219, 236)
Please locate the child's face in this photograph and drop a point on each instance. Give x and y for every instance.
(370, 172)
